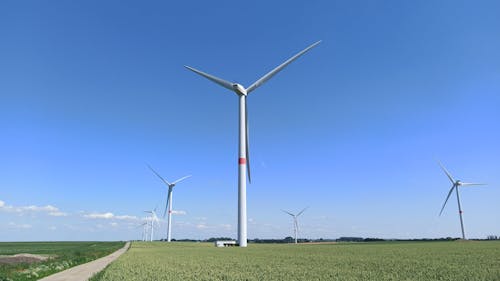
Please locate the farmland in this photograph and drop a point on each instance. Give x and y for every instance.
(470, 260)
(58, 256)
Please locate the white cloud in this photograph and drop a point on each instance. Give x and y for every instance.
(178, 212)
(19, 226)
(226, 226)
(34, 208)
(109, 216)
(58, 214)
(201, 226)
(126, 217)
(99, 216)
(51, 210)
(114, 224)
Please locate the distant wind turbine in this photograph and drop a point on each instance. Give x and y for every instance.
(244, 155)
(295, 222)
(144, 226)
(152, 219)
(169, 200)
(456, 184)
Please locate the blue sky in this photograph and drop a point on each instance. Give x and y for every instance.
(92, 91)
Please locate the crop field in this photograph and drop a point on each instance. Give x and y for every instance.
(46, 258)
(454, 261)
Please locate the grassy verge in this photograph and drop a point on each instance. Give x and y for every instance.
(62, 255)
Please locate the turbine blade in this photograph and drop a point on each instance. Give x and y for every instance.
(447, 173)
(247, 150)
(273, 72)
(155, 220)
(181, 179)
(222, 82)
(302, 211)
(289, 213)
(447, 197)
(471, 183)
(158, 175)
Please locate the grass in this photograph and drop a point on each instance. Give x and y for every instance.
(63, 255)
(344, 261)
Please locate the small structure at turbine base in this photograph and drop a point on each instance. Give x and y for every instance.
(230, 243)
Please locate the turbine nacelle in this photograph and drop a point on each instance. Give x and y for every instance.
(239, 89)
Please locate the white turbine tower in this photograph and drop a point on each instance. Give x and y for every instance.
(456, 184)
(295, 222)
(243, 153)
(152, 219)
(169, 200)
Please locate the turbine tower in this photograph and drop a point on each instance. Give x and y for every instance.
(169, 200)
(456, 184)
(295, 222)
(243, 151)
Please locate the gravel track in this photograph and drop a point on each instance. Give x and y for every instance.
(84, 271)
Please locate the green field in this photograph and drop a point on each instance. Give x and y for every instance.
(63, 255)
(470, 260)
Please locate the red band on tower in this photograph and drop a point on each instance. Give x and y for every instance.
(242, 161)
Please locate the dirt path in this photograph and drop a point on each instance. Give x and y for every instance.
(84, 271)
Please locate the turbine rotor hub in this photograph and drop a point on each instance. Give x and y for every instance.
(239, 89)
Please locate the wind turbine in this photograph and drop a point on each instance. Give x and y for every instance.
(295, 222)
(169, 200)
(144, 230)
(456, 184)
(243, 151)
(153, 219)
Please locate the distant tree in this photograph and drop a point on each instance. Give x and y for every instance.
(350, 239)
(213, 239)
(373, 239)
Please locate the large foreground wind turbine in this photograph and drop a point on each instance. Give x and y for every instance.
(169, 200)
(295, 222)
(456, 184)
(243, 159)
